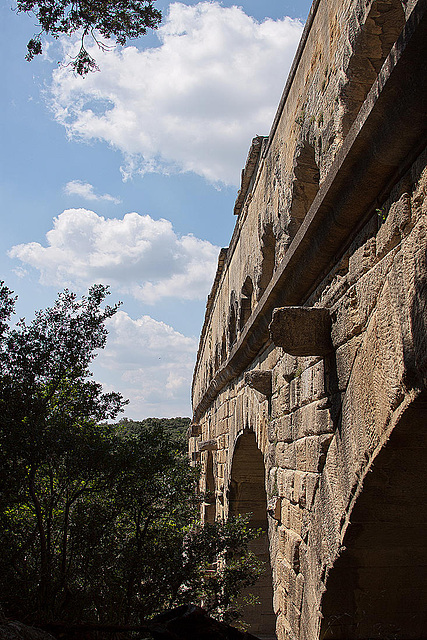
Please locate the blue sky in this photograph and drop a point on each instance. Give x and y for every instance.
(129, 176)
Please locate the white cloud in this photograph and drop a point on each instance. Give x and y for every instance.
(86, 190)
(191, 104)
(138, 255)
(150, 363)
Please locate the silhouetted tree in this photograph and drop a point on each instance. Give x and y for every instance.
(98, 522)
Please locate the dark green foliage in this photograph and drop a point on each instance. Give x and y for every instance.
(175, 428)
(120, 19)
(98, 522)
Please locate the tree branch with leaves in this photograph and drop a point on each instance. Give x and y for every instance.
(118, 19)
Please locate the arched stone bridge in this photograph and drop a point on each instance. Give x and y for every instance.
(309, 392)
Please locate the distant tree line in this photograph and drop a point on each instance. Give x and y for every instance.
(98, 521)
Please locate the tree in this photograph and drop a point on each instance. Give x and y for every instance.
(98, 522)
(119, 19)
(50, 449)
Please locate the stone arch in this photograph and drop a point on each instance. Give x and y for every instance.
(377, 587)
(223, 356)
(382, 27)
(232, 320)
(304, 186)
(268, 262)
(247, 495)
(246, 302)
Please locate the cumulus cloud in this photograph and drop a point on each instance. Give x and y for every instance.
(150, 363)
(86, 190)
(137, 254)
(191, 104)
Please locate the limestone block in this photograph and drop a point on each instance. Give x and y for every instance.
(274, 508)
(291, 587)
(299, 591)
(260, 381)
(362, 260)
(301, 454)
(285, 521)
(317, 447)
(294, 616)
(299, 487)
(345, 356)
(239, 411)
(284, 428)
(223, 428)
(194, 430)
(347, 318)
(286, 455)
(280, 601)
(391, 231)
(312, 383)
(369, 286)
(289, 543)
(285, 483)
(301, 331)
(283, 629)
(272, 428)
(208, 445)
(289, 365)
(311, 486)
(311, 419)
(283, 570)
(295, 519)
(294, 393)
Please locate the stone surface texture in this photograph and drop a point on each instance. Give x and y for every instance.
(331, 216)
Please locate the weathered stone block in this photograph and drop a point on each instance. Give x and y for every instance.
(284, 428)
(260, 381)
(344, 358)
(348, 319)
(274, 508)
(289, 365)
(208, 445)
(302, 331)
(312, 483)
(391, 231)
(194, 430)
(317, 447)
(311, 419)
(285, 483)
(286, 455)
(301, 454)
(312, 383)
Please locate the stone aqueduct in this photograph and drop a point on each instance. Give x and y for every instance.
(309, 392)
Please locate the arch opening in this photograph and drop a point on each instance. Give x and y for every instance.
(381, 29)
(248, 496)
(232, 320)
(305, 185)
(268, 263)
(246, 302)
(378, 585)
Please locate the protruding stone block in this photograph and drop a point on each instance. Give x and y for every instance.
(208, 445)
(302, 331)
(260, 381)
(194, 430)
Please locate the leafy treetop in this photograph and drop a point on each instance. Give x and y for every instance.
(98, 522)
(120, 19)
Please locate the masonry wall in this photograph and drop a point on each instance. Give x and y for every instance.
(315, 332)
